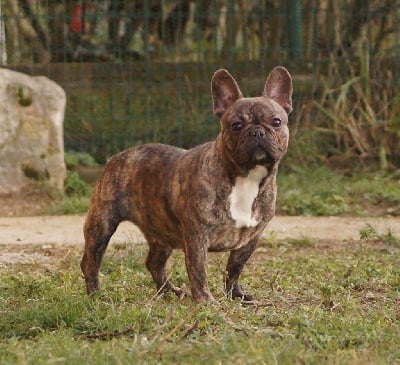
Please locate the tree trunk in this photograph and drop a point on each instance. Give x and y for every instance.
(39, 53)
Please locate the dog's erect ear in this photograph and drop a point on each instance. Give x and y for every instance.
(225, 91)
(279, 87)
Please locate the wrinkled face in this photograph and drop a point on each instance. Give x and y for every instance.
(255, 132)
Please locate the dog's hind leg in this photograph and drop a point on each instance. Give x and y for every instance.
(99, 226)
(156, 262)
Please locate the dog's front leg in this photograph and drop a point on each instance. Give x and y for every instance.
(236, 261)
(196, 266)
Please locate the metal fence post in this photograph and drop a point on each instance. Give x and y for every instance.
(295, 30)
(3, 47)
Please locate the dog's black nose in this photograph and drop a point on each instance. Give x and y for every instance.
(257, 132)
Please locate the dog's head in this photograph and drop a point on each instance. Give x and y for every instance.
(254, 131)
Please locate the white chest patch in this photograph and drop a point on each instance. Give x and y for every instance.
(242, 197)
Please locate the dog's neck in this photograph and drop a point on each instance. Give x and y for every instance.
(228, 163)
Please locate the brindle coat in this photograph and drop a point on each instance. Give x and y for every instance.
(215, 197)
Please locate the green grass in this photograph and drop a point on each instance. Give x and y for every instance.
(319, 302)
(321, 191)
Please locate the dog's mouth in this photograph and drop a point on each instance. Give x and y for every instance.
(261, 156)
(253, 152)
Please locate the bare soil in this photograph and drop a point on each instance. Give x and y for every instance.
(31, 201)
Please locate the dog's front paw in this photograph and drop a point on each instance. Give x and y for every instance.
(203, 297)
(246, 299)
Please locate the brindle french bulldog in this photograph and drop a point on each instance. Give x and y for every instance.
(219, 196)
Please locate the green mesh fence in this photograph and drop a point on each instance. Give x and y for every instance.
(139, 71)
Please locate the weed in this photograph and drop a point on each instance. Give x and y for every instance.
(369, 233)
(74, 185)
(76, 198)
(390, 239)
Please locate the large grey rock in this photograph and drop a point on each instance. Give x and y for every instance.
(31, 132)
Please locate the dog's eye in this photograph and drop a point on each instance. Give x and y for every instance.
(237, 126)
(276, 122)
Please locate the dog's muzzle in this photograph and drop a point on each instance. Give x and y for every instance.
(263, 149)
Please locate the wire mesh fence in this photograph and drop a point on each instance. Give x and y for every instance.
(139, 71)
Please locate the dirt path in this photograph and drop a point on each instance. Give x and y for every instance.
(46, 241)
(67, 230)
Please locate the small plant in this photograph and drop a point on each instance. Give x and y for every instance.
(390, 239)
(76, 198)
(361, 114)
(74, 185)
(369, 233)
